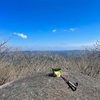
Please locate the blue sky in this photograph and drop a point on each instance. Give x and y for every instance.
(50, 24)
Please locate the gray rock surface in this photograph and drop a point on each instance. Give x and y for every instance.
(40, 86)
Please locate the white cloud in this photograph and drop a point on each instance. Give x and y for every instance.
(64, 30)
(21, 35)
(54, 30)
(72, 29)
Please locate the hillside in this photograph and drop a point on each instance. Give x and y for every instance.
(40, 86)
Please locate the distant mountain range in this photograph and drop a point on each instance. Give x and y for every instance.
(63, 53)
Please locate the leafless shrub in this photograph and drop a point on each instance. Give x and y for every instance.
(3, 53)
(15, 63)
(88, 62)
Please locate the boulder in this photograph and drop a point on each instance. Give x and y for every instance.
(43, 86)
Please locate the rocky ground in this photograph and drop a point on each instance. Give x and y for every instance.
(41, 86)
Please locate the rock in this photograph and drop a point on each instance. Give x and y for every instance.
(41, 86)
